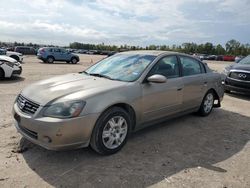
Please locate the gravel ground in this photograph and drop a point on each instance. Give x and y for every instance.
(190, 151)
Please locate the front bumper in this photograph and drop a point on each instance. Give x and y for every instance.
(54, 133)
(17, 71)
(236, 85)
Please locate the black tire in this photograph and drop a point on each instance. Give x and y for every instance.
(50, 59)
(227, 91)
(67, 61)
(204, 111)
(2, 75)
(15, 57)
(97, 142)
(74, 60)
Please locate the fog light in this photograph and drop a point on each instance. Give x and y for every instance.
(47, 139)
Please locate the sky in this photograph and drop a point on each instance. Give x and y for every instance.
(132, 22)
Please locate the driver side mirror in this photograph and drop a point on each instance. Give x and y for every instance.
(157, 78)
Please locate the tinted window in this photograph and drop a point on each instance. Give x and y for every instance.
(57, 50)
(167, 66)
(190, 66)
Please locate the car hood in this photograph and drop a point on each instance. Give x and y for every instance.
(13, 53)
(7, 58)
(46, 91)
(240, 67)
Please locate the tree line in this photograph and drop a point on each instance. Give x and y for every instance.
(232, 47)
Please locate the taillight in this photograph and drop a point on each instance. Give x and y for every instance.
(42, 50)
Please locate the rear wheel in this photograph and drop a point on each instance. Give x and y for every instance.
(50, 59)
(74, 60)
(207, 104)
(227, 91)
(111, 131)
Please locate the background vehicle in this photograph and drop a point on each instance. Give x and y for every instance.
(49, 55)
(15, 55)
(26, 50)
(228, 58)
(237, 76)
(117, 95)
(9, 67)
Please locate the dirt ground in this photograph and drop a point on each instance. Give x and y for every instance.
(190, 151)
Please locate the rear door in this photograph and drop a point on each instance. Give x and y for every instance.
(194, 82)
(162, 99)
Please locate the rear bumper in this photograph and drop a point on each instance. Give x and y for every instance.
(40, 57)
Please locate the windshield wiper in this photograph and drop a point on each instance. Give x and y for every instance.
(100, 75)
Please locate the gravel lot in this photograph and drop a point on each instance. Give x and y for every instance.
(190, 151)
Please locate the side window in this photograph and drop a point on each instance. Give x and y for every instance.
(190, 66)
(57, 50)
(167, 66)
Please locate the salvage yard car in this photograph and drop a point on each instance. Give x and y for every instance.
(237, 76)
(9, 67)
(49, 55)
(15, 55)
(116, 96)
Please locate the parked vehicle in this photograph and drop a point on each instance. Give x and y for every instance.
(238, 58)
(51, 54)
(237, 76)
(26, 50)
(15, 55)
(9, 67)
(118, 95)
(219, 58)
(228, 58)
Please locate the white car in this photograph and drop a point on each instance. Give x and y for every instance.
(9, 67)
(15, 55)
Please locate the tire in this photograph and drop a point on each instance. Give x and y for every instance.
(108, 136)
(227, 91)
(2, 75)
(68, 62)
(50, 59)
(74, 60)
(15, 57)
(207, 104)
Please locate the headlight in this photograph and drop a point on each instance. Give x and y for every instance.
(9, 63)
(65, 110)
(225, 71)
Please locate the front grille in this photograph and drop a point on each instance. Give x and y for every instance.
(26, 105)
(244, 76)
(238, 84)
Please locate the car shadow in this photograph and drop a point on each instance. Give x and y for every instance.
(244, 96)
(13, 79)
(59, 63)
(150, 156)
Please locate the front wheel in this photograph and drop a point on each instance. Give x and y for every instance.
(207, 104)
(1, 74)
(111, 131)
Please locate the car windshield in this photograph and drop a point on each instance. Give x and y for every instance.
(245, 60)
(123, 67)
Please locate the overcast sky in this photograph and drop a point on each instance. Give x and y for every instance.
(134, 22)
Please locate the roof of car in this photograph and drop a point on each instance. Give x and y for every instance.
(149, 52)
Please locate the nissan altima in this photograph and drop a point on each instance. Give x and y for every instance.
(118, 95)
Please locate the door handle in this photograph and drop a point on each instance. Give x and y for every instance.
(179, 89)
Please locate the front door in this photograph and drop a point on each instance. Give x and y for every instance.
(162, 99)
